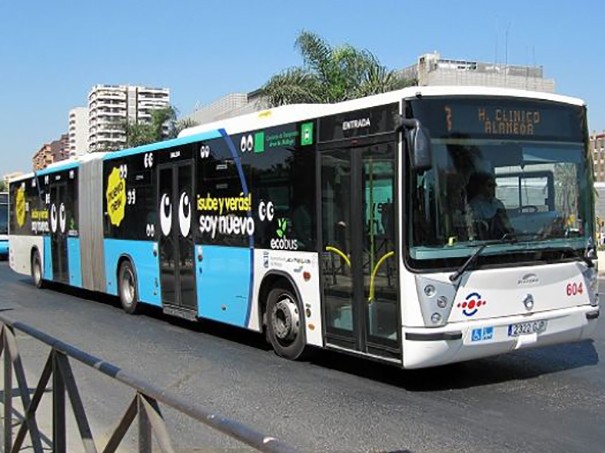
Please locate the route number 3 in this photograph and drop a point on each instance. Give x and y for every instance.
(574, 289)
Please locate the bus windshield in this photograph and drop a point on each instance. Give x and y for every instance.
(518, 191)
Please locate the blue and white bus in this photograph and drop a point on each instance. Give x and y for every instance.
(345, 226)
(3, 225)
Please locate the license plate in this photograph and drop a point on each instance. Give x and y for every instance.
(524, 328)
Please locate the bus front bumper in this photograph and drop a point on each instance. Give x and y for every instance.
(456, 342)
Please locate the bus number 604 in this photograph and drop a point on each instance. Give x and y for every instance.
(574, 289)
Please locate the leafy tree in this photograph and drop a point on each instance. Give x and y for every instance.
(163, 125)
(179, 125)
(3, 186)
(330, 74)
(137, 134)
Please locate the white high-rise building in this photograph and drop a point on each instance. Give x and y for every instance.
(78, 131)
(111, 105)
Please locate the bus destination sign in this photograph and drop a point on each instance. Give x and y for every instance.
(506, 118)
(507, 121)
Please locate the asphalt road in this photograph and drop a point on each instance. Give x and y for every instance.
(550, 399)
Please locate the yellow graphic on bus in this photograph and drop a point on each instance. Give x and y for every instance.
(116, 197)
(20, 206)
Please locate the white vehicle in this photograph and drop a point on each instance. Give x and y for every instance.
(346, 226)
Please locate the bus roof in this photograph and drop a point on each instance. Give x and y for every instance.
(300, 112)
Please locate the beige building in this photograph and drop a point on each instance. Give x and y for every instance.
(431, 69)
(228, 106)
(110, 105)
(52, 152)
(78, 131)
(7, 177)
(42, 158)
(597, 145)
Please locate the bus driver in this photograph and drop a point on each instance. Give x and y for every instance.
(489, 214)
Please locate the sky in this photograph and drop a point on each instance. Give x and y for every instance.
(53, 52)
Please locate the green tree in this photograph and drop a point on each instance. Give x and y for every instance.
(330, 74)
(163, 125)
(3, 186)
(179, 125)
(136, 134)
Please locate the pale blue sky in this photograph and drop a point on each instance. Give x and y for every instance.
(53, 52)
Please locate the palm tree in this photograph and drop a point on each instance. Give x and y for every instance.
(330, 74)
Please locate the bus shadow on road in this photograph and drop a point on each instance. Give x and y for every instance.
(518, 365)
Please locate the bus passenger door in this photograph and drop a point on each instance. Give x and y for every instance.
(58, 232)
(176, 235)
(359, 255)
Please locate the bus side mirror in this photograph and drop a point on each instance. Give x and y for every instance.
(419, 141)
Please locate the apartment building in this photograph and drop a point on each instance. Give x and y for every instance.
(42, 158)
(110, 105)
(597, 145)
(78, 131)
(55, 151)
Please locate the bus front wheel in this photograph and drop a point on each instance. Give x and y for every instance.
(127, 281)
(37, 270)
(285, 324)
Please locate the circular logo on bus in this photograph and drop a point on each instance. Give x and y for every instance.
(471, 305)
(116, 197)
(20, 206)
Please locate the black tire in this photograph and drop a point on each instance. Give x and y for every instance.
(285, 324)
(127, 288)
(36, 270)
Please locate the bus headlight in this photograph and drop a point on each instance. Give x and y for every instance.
(435, 297)
(429, 290)
(442, 302)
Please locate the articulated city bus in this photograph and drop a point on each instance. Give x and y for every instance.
(3, 225)
(346, 226)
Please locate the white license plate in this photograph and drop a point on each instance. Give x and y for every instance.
(524, 328)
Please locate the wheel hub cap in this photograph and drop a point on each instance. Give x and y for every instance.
(285, 319)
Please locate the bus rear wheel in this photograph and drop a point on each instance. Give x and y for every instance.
(127, 282)
(36, 269)
(285, 324)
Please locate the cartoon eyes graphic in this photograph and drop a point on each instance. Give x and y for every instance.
(53, 218)
(185, 214)
(165, 214)
(62, 218)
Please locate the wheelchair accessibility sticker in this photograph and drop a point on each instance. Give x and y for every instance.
(483, 334)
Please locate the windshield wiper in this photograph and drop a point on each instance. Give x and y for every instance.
(456, 275)
(507, 238)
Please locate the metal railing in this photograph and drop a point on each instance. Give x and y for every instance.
(144, 404)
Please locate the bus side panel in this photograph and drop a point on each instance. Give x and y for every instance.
(303, 270)
(223, 283)
(47, 260)
(74, 261)
(20, 252)
(143, 255)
